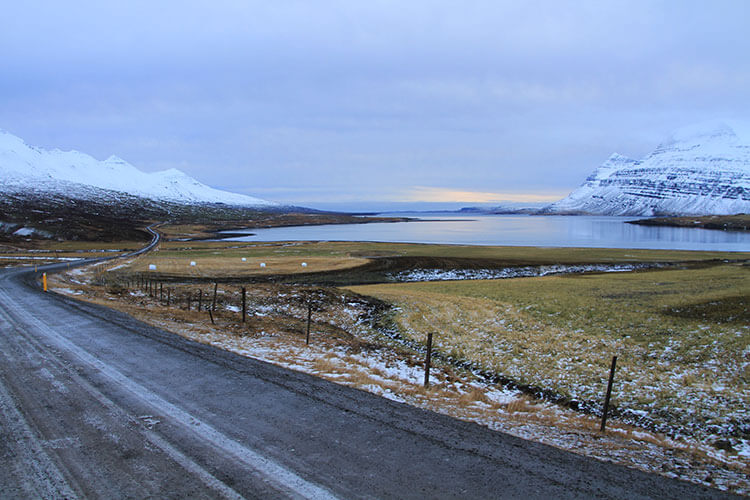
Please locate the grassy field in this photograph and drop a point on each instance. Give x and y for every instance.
(222, 259)
(518, 255)
(681, 336)
(40, 252)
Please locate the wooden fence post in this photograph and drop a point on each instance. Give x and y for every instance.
(169, 296)
(609, 392)
(244, 303)
(200, 300)
(428, 360)
(213, 304)
(309, 318)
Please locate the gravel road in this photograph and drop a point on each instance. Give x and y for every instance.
(96, 404)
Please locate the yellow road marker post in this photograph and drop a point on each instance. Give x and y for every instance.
(44, 281)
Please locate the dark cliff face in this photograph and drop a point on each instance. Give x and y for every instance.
(700, 174)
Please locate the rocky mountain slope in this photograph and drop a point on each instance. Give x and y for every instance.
(700, 170)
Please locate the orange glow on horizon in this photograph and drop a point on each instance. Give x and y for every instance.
(435, 194)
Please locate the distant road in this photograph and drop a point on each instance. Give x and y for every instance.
(96, 404)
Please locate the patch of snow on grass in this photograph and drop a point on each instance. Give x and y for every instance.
(509, 272)
(67, 291)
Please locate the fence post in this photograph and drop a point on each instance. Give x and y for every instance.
(213, 304)
(161, 292)
(244, 303)
(200, 300)
(427, 360)
(609, 392)
(188, 300)
(309, 318)
(169, 296)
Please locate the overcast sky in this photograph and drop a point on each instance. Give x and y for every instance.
(320, 103)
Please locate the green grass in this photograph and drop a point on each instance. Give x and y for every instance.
(682, 337)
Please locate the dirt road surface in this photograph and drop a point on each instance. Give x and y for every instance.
(94, 404)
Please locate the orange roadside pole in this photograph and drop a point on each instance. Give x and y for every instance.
(44, 281)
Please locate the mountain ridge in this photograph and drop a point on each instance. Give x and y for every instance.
(698, 170)
(24, 167)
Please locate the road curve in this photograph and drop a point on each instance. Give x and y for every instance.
(94, 403)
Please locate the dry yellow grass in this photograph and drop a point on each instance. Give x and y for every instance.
(682, 337)
(222, 266)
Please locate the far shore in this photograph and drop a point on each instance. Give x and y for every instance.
(739, 222)
(235, 228)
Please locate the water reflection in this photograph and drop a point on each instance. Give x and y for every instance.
(555, 231)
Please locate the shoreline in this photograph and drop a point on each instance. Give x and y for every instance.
(231, 229)
(739, 222)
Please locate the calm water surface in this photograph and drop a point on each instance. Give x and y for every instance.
(515, 230)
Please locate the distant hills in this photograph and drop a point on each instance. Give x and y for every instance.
(25, 169)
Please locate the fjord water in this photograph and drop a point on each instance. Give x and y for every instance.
(515, 230)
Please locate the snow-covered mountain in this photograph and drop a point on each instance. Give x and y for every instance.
(699, 170)
(25, 168)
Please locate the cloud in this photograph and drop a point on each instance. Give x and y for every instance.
(367, 99)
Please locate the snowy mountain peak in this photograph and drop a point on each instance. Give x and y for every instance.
(618, 158)
(699, 170)
(116, 160)
(10, 142)
(24, 168)
(173, 173)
